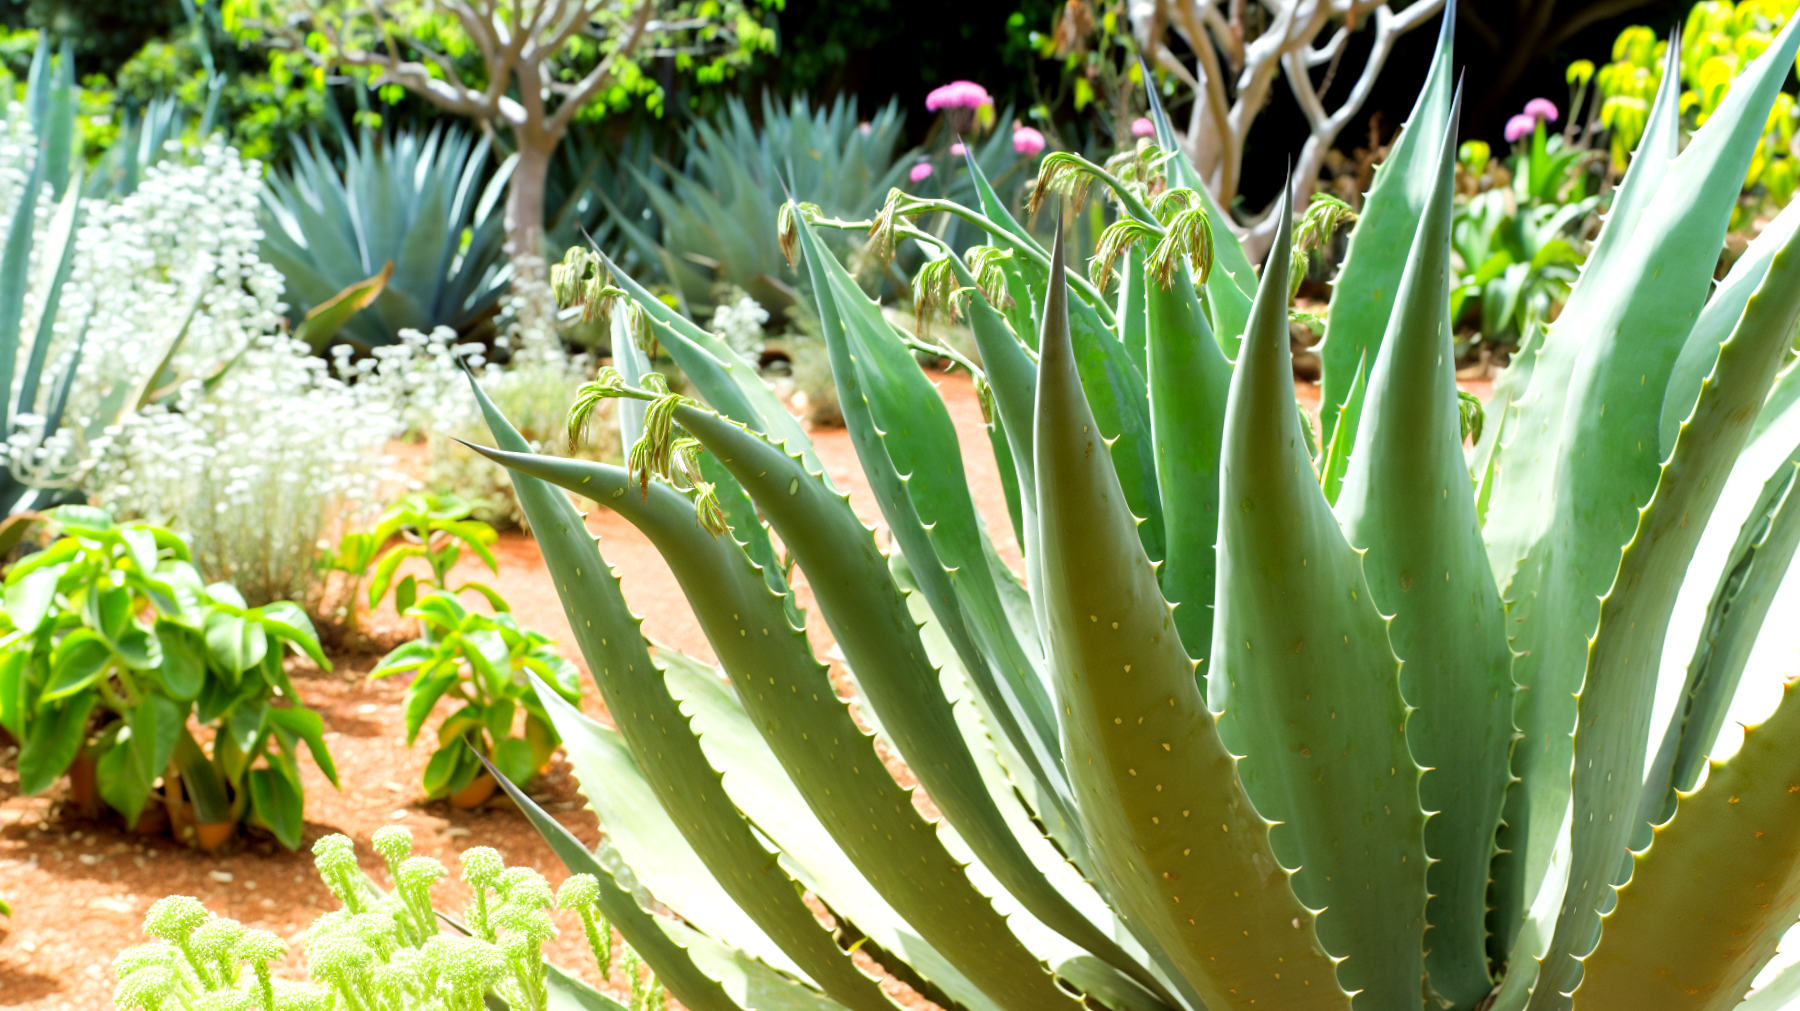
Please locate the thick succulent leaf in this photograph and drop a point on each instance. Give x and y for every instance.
(672, 961)
(1307, 683)
(1117, 396)
(15, 278)
(868, 619)
(757, 781)
(1498, 412)
(1178, 845)
(1133, 311)
(1754, 570)
(1711, 897)
(1343, 436)
(1716, 321)
(1364, 295)
(651, 722)
(1778, 993)
(1068, 878)
(886, 838)
(1189, 378)
(1232, 282)
(908, 448)
(727, 382)
(1557, 520)
(1408, 505)
(1616, 699)
(647, 837)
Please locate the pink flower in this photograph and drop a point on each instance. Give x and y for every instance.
(1541, 108)
(1027, 141)
(957, 149)
(864, 127)
(1520, 127)
(1142, 127)
(958, 95)
(920, 172)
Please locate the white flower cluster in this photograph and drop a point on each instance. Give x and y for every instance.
(246, 443)
(738, 321)
(256, 468)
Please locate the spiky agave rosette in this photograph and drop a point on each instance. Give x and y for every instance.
(1261, 724)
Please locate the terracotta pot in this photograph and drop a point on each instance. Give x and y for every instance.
(212, 835)
(473, 795)
(84, 791)
(153, 819)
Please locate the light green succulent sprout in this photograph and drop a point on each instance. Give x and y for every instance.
(385, 952)
(1264, 723)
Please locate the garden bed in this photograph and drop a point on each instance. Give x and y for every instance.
(80, 886)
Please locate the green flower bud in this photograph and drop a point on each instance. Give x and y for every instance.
(481, 866)
(579, 891)
(223, 1000)
(145, 989)
(291, 996)
(174, 918)
(217, 938)
(393, 843)
(420, 872)
(260, 946)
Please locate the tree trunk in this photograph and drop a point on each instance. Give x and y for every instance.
(525, 206)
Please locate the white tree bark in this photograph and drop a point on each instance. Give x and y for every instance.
(1232, 76)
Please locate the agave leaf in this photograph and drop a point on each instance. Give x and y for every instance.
(1308, 685)
(908, 446)
(1407, 503)
(1134, 320)
(1189, 378)
(1616, 699)
(1753, 573)
(1716, 321)
(1343, 435)
(63, 227)
(1117, 395)
(672, 960)
(757, 781)
(1778, 993)
(1368, 285)
(647, 838)
(1177, 843)
(1710, 899)
(1498, 413)
(651, 723)
(323, 321)
(1092, 975)
(57, 126)
(1596, 394)
(15, 277)
(1232, 282)
(718, 580)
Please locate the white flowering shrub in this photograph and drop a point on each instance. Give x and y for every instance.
(256, 470)
(738, 321)
(189, 408)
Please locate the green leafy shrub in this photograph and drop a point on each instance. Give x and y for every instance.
(1521, 245)
(113, 643)
(486, 663)
(388, 950)
(1365, 730)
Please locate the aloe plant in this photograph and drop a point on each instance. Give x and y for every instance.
(1243, 736)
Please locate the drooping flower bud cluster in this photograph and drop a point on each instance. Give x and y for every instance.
(381, 951)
